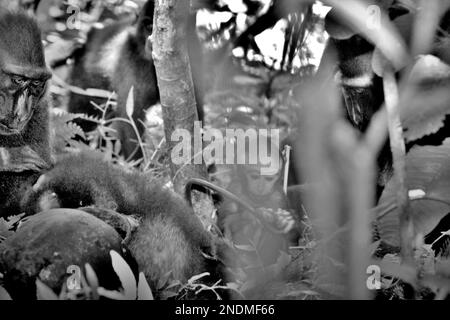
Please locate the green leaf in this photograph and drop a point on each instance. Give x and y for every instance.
(4, 295)
(194, 279)
(92, 279)
(43, 292)
(12, 220)
(64, 130)
(173, 284)
(427, 169)
(125, 275)
(113, 295)
(5, 229)
(144, 291)
(93, 92)
(423, 110)
(130, 103)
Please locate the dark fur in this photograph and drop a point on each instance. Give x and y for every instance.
(12, 187)
(170, 237)
(20, 38)
(354, 59)
(135, 69)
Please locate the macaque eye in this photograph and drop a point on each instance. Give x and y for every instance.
(18, 81)
(36, 83)
(359, 90)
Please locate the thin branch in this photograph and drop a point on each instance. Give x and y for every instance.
(399, 162)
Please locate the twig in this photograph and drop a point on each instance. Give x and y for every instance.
(287, 149)
(399, 162)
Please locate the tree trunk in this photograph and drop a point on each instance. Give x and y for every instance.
(176, 87)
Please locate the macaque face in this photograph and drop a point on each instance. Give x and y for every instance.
(23, 71)
(258, 184)
(21, 90)
(362, 103)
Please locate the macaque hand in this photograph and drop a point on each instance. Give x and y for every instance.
(281, 219)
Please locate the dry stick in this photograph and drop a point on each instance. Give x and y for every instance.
(399, 162)
(90, 92)
(155, 153)
(286, 168)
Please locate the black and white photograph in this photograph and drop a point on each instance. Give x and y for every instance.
(237, 153)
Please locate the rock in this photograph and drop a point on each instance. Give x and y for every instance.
(50, 242)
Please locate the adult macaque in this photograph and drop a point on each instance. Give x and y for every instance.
(114, 58)
(362, 88)
(24, 127)
(170, 242)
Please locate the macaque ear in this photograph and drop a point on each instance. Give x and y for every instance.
(338, 29)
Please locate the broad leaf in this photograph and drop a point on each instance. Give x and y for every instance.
(426, 101)
(144, 291)
(43, 292)
(92, 279)
(130, 103)
(428, 169)
(125, 275)
(4, 295)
